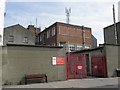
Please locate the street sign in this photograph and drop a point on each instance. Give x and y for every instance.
(58, 60)
(79, 67)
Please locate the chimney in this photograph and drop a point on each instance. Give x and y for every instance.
(34, 29)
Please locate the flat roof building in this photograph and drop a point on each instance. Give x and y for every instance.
(73, 37)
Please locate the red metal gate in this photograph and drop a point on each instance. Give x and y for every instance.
(76, 66)
(98, 63)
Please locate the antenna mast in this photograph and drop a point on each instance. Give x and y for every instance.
(115, 27)
(36, 27)
(68, 11)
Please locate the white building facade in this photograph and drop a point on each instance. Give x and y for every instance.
(119, 11)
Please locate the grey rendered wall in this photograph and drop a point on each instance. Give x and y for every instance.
(109, 36)
(19, 61)
(94, 42)
(19, 33)
(118, 32)
(111, 59)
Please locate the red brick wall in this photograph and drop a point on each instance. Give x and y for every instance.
(68, 33)
(73, 34)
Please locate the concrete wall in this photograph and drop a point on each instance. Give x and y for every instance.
(0, 67)
(19, 32)
(21, 60)
(111, 59)
(94, 42)
(109, 35)
(118, 32)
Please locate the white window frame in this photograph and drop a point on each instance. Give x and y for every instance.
(87, 47)
(48, 33)
(53, 31)
(71, 47)
(25, 39)
(40, 38)
(79, 47)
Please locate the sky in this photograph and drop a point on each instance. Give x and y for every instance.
(95, 15)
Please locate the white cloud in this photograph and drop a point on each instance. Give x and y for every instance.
(61, 1)
(94, 15)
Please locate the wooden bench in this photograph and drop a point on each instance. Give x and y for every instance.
(35, 78)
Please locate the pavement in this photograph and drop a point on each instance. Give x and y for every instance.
(74, 83)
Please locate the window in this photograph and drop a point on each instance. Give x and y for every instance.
(71, 47)
(87, 47)
(62, 44)
(40, 38)
(53, 31)
(25, 40)
(79, 47)
(37, 39)
(11, 38)
(48, 33)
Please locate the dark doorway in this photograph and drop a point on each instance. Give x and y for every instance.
(88, 64)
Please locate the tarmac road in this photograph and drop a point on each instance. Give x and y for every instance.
(74, 83)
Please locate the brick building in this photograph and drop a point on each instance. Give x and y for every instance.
(73, 37)
(33, 29)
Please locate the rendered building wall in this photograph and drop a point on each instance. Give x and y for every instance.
(21, 60)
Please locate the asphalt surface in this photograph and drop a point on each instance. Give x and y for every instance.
(74, 83)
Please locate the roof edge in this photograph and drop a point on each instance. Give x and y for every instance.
(34, 46)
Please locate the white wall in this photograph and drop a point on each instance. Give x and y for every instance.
(2, 10)
(119, 11)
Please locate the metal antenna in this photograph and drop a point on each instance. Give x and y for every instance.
(68, 11)
(36, 27)
(115, 27)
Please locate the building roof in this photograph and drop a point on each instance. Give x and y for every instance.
(15, 26)
(33, 46)
(110, 44)
(72, 25)
(88, 50)
(65, 25)
(98, 48)
(111, 25)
